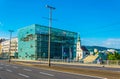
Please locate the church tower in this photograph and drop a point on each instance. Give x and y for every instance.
(79, 51)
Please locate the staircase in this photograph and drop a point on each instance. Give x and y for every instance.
(90, 58)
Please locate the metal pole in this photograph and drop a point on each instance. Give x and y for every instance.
(50, 25)
(10, 45)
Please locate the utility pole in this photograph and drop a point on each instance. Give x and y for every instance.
(10, 45)
(50, 25)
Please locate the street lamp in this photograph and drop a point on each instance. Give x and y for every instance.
(10, 45)
(50, 25)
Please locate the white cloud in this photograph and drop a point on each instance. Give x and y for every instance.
(109, 42)
(112, 42)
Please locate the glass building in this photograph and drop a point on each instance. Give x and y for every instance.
(33, 43)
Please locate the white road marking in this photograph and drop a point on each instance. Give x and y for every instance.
(8, 70)
(23, 75)
(27, 69)
(78, 74)
(46, 74)
(14, 67)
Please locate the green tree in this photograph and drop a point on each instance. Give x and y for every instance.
(115, 56)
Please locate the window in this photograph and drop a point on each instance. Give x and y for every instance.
(27, 32)
(31, 46)
(21, 49)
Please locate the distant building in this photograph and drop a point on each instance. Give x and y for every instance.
(1, 40)
(81, 51)
(33, 43)
(111, 50)
(95, 50)
(6, 47)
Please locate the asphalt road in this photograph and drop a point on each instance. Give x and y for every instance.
(10, 71)
(101, 67)
(90, 67)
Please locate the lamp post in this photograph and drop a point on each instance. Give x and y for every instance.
(10, 45)
(50, 25)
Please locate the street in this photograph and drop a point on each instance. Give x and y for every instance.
(10, 71)
(90, 67)
(100, 67)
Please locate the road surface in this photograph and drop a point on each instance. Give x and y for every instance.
(90, 67)
(10, 71)
(81, 66)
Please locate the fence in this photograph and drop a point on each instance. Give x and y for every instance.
(103, 62)
(111, 62)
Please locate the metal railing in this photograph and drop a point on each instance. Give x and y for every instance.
(103, 62)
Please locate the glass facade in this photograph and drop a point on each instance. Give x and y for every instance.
(33, 43)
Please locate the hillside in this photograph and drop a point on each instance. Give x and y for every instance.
(100, 48)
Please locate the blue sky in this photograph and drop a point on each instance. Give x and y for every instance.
(97, 21)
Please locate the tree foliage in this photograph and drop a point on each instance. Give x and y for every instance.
(2, 39)
(114, 56)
